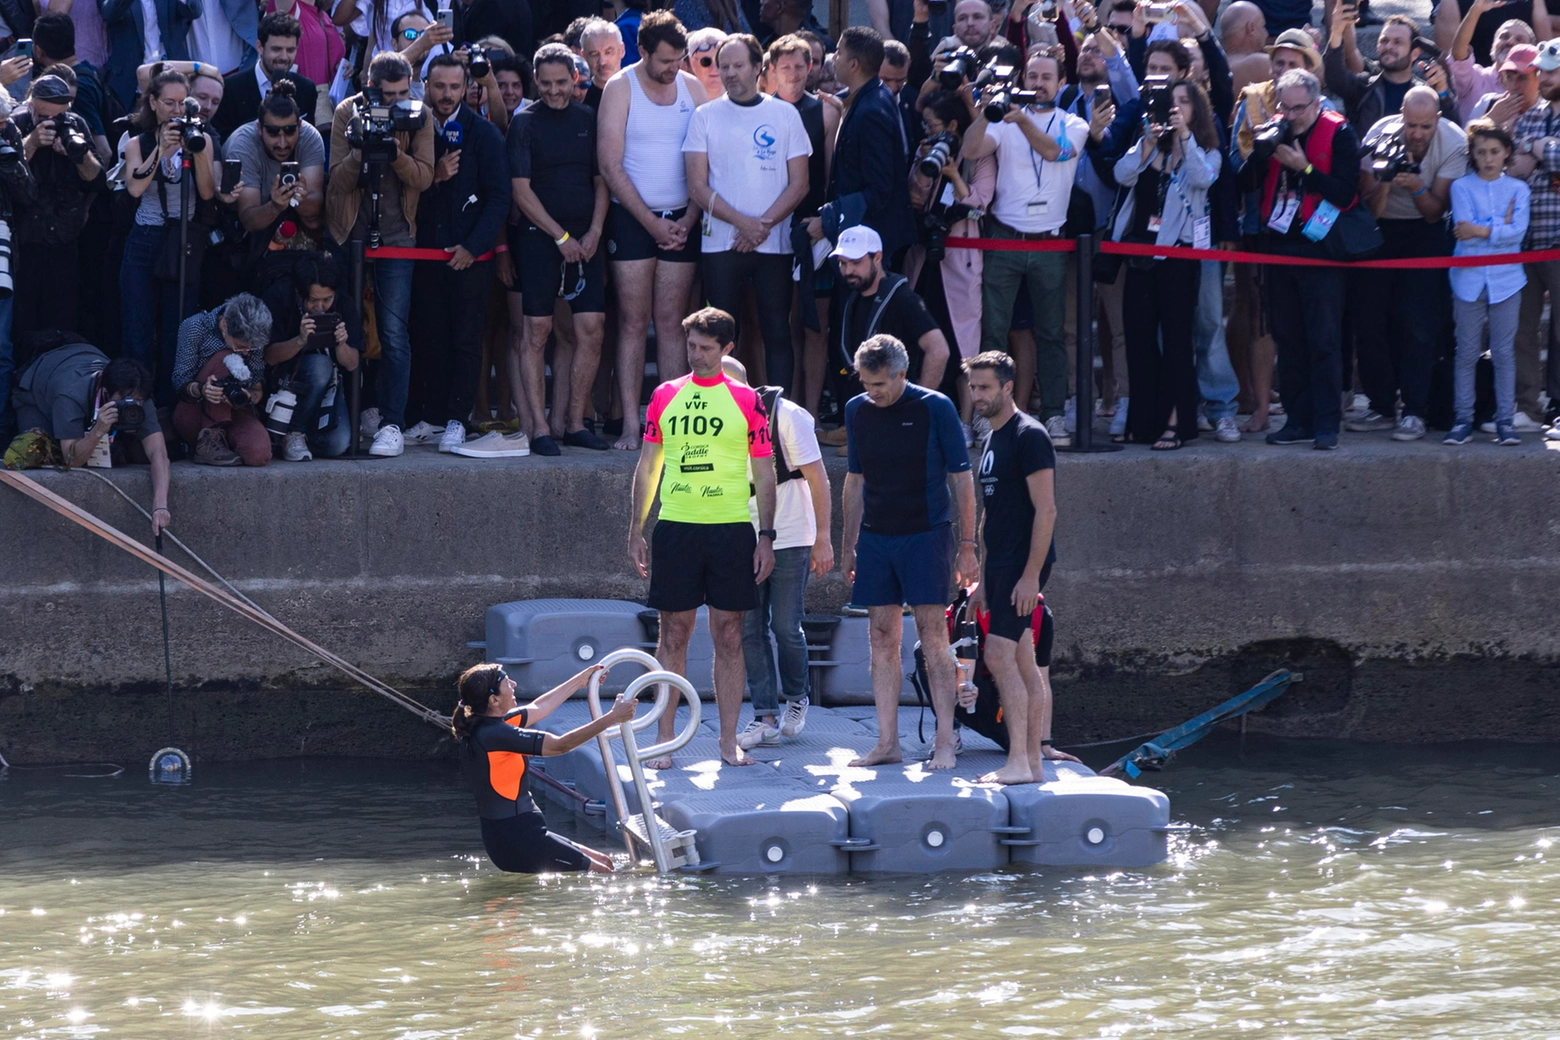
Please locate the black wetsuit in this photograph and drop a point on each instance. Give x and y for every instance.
(513, 830)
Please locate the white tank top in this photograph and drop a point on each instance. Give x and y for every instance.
(652, 145)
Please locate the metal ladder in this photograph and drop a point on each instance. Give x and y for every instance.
(669, 847)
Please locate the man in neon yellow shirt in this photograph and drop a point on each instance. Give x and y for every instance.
(701, 432)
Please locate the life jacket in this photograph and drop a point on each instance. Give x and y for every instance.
(1319, 152)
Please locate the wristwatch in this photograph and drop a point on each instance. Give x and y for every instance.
(767, 532)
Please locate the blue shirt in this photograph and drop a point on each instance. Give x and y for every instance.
(904, 453)
(1502, 206)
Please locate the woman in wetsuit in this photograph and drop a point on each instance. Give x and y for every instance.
(494, 751)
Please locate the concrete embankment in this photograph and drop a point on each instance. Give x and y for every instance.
(1413, 584)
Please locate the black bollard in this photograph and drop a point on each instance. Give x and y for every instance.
(1083, 436)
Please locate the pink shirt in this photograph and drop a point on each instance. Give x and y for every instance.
(1471, 82)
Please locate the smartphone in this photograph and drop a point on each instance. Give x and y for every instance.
(22, 49)
(324, 331)
(290, 172)
(1102, 96)
(232, 169)
(1153, 13)
(447, 19)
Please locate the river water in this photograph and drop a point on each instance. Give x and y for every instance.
(1323, 890)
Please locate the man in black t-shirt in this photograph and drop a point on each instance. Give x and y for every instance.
(557, 247)
(1016, 475)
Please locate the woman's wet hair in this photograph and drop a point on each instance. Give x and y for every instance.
(475, 685)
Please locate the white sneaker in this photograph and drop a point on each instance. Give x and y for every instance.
(1409, 428)
(1118, 422)
(795, 718)
(1056, 426)
(423, 433)
(368, 422)
(758, 732)
(1370, 422)
(1520, 421)
(1204, 424)
(1553, 433)
(495, 445)
(1070, 414)
(454, 436)
(1225, 431)
(388, 442)
(297, 448)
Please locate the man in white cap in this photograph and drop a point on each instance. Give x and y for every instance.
(879, 301)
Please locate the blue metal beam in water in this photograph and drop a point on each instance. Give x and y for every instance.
(1154, 753)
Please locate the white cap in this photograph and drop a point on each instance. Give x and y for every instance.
(857, 242)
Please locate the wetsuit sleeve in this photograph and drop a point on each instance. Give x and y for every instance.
(759, 446)
(518, 718)
(513, 738)
(950, 433)
(658, 401)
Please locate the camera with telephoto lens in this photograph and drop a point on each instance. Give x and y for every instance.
(72, 136)
(279, 408)
(1158, 99)
(1006, 98)
(939, 155)
(935, 225)
(960, 66)
(235, 385)
(1266, 138)
(372, 130)
(1390, 157)
(191, 126)
(478, 63)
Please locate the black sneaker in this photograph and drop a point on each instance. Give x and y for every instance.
(545, 445)
(1325, 442)
(585, 438)
(1290, 436)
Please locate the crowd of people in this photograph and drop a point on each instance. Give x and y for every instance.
(183, 186)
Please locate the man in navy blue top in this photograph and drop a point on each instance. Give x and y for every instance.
(905, 449)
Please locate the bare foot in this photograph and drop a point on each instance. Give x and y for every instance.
(882, 755)
(1258, 423)
(1008, 775)
(627, 442)
(735, 756)
(944, 756)
(664, 762)
(1061, 756)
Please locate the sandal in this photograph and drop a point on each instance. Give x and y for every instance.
(1168, 441)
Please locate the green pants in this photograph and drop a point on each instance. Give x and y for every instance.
(1047, 274)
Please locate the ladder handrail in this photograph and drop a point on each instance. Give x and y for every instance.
(664, 682)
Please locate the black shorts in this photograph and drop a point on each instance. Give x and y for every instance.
(523, 845)
(543, 277)
(1008, 623)
(695, 565)
(627, 238)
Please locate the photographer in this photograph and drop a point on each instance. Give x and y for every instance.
(17, 190)
(462, 214)
(747, 156)
(218, 371)
(1037, 148)
(1406, 178)
(1317, 162)
(76, 396)
(316, 333)
(57, 146)
(54, 43)
(1378, 92)
(166, 138)
(394, 166)
(278, 139)
(1167, 177)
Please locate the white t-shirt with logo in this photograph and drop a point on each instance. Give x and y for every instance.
(748, 147)
(791, 431)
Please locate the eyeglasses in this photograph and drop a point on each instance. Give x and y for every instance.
(279, 131)
(411, 34)
(1295, 110)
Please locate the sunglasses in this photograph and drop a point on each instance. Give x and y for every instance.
(1119, 30)
(290, 130)
(411, 34)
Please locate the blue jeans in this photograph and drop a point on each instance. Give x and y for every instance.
(149, 307)
(310, 380)
(780, 605)
(1216, 381)
(7, 369)
(392, 305)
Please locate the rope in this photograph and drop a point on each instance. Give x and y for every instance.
(1008, 245)
(1115, 740)
(117, 769)
(237, 604)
